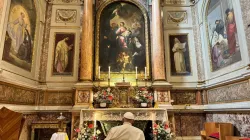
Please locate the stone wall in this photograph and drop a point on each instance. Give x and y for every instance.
(189, 124)
(229, 93)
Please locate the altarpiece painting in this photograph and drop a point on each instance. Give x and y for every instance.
(122, 39)
(222, 34)
(20, 34)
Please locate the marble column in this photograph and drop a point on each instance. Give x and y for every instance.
(158, 63)
(86, 70)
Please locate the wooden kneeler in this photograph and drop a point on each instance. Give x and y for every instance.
(11, 124)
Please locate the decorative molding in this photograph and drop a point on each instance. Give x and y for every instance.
(176, 17)
(59, 98)
(15, 95)
(230, 93)
(66, 2)
(174, 2)
(45, 46)
(66, 15)
(82, 97)
(198, 44)
(144, 3)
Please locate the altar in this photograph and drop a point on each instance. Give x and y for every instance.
(104, 119)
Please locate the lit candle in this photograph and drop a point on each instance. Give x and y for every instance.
(155, 96)
(109, 72)
(145, 73)
(99, 72)
(135, 72)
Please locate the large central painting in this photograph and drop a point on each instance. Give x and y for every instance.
(122, 40)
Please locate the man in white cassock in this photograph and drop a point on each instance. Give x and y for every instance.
(60, 135)
(126, 131)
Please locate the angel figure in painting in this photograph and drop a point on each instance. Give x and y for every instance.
(61, 55)
(179, 49)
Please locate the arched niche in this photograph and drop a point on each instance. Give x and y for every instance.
(121, 26)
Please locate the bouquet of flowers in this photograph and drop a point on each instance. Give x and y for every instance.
(103, 96)
(87, 132)
(144, 96)
(162, 131)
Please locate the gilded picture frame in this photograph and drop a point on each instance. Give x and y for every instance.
(117, 75)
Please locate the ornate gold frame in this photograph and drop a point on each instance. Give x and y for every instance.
(97, 38)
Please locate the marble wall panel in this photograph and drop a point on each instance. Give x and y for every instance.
(185, 97)
(198, 45)
(241, 121)
(1, 9)
(230, 93)
(59, 98)
(189, 124)
(17, 95)
(245, 8)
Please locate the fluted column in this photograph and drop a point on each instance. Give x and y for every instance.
(158, 64)
(86, 71)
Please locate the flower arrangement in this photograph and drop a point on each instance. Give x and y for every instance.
(144, 96)
(162, 131)
(103, 96)
(87, 132)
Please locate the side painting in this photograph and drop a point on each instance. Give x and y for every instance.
(19, 39)
(179, 55)
(122, 38)
(222, 34)
(64, 45)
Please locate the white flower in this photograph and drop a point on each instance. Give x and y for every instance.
(108, 89)
(98, 132)
(168, 130)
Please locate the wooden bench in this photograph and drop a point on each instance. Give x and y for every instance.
(224, 129)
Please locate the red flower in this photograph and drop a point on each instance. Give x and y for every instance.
(77, 130)
(150, 97)
(91, 126)
(110, 98)
(104, 93)
(143, 89)
(166, 126)
(155, 125)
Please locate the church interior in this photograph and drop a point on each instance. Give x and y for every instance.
(76, 66)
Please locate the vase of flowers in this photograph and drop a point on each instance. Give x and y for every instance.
(103, 97)
(143, 97)
(162, 131)
(103, 105)
(87, 132)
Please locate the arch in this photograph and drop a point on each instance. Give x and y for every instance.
(97, 31)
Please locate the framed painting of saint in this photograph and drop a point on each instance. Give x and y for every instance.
(179, 55)
(122, 39)
(222, 34)
(20, 34)
(64, 46)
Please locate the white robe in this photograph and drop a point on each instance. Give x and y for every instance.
(125, 132)
(60, 136)
(179, 61)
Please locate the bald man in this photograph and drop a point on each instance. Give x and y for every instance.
(126, 131)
